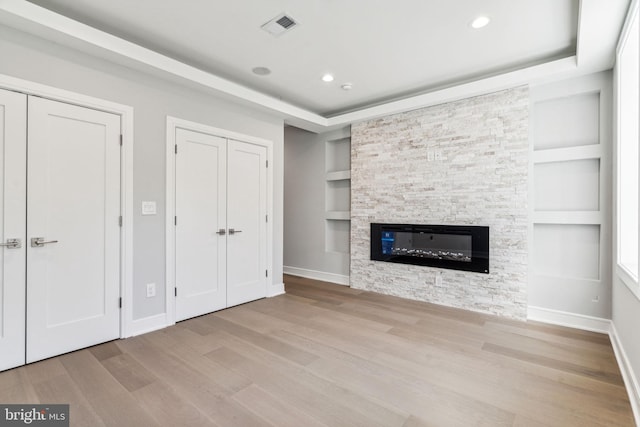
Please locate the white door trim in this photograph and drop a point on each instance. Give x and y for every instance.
(126, 176)
(174, 123)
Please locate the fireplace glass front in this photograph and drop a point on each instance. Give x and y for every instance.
(445, 246)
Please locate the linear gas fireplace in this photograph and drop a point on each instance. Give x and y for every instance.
(456, 247)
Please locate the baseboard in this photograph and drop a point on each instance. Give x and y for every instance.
(338, 279)
(275, 290)
(148, 324)
(629, 377)
(571, 320)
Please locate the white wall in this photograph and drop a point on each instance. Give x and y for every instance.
(570, 200)
(305, 203)
(30, 58)
(626, 318)
(626, 295)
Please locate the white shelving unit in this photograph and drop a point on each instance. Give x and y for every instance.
(569, 214)
(338, 195)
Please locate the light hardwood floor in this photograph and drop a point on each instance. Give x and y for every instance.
(328, 355)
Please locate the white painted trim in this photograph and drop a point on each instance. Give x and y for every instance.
(170, 212)
(628, 375)
(626, 28)
(627, 278)
(148, 324)
(126, 176)
(338, 279)
(275, 290)
(174, 123)
(570, 320)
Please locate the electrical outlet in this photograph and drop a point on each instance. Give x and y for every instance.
(151, 290)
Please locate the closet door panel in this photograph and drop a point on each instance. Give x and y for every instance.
(247, 211)
(201, 189)
(73, 208)
(13, 143)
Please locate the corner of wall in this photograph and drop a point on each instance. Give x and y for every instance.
(628, 375)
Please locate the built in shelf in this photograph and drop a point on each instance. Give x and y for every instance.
(338, 175)
(338, 215)
(567, 217)
(570, 153)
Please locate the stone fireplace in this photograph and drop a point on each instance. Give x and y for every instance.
(460, 163)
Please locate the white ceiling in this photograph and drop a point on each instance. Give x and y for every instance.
(387, 50)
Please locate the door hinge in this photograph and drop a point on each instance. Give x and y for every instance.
(120, 221)
(175, 291)
(267, 163)
(175, 220)
(120, 302)
(266, 273)
(121, 137)
(176, 148)
(266, 218)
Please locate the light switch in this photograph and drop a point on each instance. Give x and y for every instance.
(148, 208)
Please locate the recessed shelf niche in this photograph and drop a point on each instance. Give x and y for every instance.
(337, 195)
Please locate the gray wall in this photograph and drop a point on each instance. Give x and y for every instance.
(304, 204)
(459, 163)
(30, 58)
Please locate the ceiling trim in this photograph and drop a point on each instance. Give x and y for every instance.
(549, 70)
(44, 22)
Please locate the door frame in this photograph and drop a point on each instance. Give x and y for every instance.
(174, 123)
(126, 176)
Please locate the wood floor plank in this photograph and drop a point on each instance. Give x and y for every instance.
(128, 372)
(320, 399)
(328, 355)
(169, 408)
(228, 380)
(62, 389)
(105, 351)
(605, 376)
(212, 399)
(264, 341)
(274, 410)
(44, 370)
(108, 398)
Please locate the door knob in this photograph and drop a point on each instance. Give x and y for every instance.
(12, 244)
(232, 231)
(38, 242)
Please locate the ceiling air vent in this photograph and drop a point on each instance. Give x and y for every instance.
(279, 25)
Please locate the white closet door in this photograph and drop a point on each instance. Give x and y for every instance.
(73, 206)
(13, 150)
(246, 210)
(201, 189)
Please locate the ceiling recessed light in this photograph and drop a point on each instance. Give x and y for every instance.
(327, 78)
(480, 21)
(261, 71)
